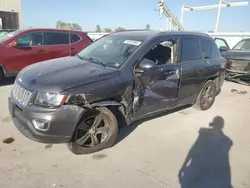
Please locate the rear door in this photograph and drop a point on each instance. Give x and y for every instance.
(158, 88)
(56, 44)
(26, 53)
(195, 70)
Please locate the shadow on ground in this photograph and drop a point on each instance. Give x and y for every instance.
(126, 130)
(8, 81)
(207, 163)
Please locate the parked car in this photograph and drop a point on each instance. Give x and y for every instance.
(238, 61)
(24, 47)
(131, 75)
(5, 31)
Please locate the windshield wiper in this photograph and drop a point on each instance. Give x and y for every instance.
(97, 61)
(79, 56)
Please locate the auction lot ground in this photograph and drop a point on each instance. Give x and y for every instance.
(149, 155)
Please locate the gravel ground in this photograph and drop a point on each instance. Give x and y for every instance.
(148, 155)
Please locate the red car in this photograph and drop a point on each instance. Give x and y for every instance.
(21, 48)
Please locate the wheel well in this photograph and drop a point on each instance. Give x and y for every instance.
(114, 105)
(2, 69)
(118, 109)
(216, 81)
(212, 79)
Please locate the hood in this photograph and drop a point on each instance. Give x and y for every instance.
(236, 55)
(63, 73)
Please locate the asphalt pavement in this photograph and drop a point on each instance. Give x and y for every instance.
(187, 148)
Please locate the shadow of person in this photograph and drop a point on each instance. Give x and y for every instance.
(207, 163)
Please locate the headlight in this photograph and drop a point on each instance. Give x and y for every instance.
(50, 99)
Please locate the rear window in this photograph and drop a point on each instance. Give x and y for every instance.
(74, 38)
(215, 50)
(56, 38)
(206, 45)
(190, 49)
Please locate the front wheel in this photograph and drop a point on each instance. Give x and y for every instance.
(206, 97)
(97, 130)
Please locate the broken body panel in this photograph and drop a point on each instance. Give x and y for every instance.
(238, 63)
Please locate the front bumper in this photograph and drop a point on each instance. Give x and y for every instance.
(63, 122)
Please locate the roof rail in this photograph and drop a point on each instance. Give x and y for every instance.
(132, 30)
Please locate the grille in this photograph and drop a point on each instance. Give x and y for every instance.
(20, 94)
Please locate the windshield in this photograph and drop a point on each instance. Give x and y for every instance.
(243, 45)
(7, 36)
(111, 51)
(2, 33)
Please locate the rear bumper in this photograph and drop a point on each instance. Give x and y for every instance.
(63, 122)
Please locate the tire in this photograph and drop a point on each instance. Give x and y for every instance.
(206, 97)
(87, 139)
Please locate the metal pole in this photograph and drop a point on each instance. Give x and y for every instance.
(182, 12)
(218, 16)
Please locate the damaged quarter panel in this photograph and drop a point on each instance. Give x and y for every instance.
(238, 60)
(239, 57)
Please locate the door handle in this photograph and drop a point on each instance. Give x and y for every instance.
(41, 51)
(72, 48)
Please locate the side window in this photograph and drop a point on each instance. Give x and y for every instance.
(32, 39)
(206, 45)
(165, 52)
(215, 50)
(190, 49)
(56, 38)
(24, 41)
(220, 42)
(243, 45)
(37, 39)
(74, 38)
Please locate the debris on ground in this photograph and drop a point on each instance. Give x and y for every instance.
(99, 156)
(240, 92)
(8, 140)
(48, 146)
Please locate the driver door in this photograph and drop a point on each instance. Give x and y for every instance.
(157, 88)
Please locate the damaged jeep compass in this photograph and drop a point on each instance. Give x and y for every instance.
(131, 75)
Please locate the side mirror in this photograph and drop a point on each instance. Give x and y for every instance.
(223, 48)
(14, 44)
(145, 64)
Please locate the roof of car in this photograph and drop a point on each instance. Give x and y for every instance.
(144, 34)
(49, 29)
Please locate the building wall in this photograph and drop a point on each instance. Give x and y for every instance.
(12, 6)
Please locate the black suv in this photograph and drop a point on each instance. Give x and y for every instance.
(77, 100)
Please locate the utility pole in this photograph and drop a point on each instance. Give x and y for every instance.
(218, 16)
(222, 4)
(164, 10)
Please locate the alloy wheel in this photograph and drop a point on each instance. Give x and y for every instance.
(207, 96)
(92, 131)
